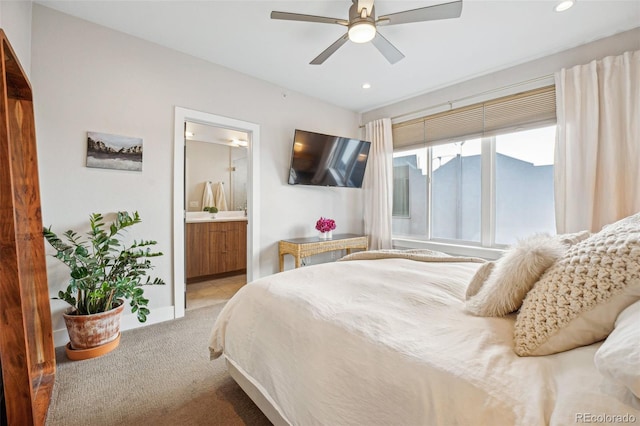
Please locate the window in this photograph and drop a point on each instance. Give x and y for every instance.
(401, 190)
(524, 184)
(487, 187)
(409, 193)
(456, 191)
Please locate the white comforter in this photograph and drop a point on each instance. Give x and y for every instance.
(387, 342)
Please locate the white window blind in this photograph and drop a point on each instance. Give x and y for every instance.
(526, 110)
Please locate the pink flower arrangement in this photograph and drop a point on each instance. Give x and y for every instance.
(325, 225)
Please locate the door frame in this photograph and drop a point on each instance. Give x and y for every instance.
(183, 115)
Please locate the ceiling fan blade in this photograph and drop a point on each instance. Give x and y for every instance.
(307, 18)
(387, 49)
(430, 13)
(330, 50)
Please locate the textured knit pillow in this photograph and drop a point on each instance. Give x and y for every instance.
(619, 356)
(513, 276)
(577, 300)
(573, 238)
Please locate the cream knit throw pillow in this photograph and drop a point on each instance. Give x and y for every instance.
(573, 238)
(577, 300)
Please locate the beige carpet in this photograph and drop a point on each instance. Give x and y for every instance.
(159, 375)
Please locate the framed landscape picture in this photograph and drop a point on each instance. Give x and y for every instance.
(107, 151)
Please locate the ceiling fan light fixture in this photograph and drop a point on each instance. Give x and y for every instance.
(362, 32)
(564, 5)
(362, 25)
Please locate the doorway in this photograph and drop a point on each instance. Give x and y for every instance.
(252, 130)
(215, 176)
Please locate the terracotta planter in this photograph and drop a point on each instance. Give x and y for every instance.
(90, 331)
(80, 354)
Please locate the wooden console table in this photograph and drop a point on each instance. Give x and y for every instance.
(305, 247)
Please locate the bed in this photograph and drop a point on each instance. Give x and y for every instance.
(385, 339)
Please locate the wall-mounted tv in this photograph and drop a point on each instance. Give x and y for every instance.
(324, 160)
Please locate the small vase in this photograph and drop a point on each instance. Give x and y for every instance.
(326, 235)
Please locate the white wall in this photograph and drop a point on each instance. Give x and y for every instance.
(89, 78)
(416, 106)
(15, 20)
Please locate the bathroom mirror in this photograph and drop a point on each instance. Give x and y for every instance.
(215, 168)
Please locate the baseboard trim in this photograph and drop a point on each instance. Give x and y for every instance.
(129, 322)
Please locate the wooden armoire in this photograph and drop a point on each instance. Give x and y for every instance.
(26, 341)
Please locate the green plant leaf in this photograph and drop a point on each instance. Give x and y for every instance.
(102, 268)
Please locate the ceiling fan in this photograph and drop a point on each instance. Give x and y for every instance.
(362, 25)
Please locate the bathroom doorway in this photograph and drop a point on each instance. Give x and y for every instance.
(215, 177)
(249, 134)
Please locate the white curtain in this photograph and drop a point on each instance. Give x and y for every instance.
(597, 165)
(378, 184)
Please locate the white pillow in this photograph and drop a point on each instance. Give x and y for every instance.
(482, 274)
(514, 274)
(619, 356)
(479, 279)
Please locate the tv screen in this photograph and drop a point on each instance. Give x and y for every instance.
(325, 160)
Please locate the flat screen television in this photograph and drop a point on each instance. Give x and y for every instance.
(324, 160)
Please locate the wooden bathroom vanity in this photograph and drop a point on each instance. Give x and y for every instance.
(215, 247)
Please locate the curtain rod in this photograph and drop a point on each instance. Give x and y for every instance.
(450, 103)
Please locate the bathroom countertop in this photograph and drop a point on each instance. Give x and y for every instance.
(224, 216)
(217, 219)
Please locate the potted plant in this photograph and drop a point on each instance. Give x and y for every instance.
(104, 272)
(212, 210)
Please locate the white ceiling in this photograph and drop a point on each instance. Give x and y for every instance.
(240, 35)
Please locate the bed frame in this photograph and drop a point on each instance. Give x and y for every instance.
(256, 395)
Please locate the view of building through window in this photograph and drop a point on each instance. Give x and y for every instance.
(523, 188)
(410, 194)
(524, 184)
(456, 191)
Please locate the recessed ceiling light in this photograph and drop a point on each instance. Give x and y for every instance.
(366, 85)
(564, 5)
